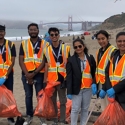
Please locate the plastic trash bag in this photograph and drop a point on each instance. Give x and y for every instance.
(8, 107)
(112, 115)
(45, 106)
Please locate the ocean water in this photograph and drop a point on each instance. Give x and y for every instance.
(19, 34)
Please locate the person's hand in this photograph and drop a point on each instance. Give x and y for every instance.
(94, 89)
(2, 80)
(30, 81)
(69, 97)
(30, 75)
(111, 92)
(102, 94)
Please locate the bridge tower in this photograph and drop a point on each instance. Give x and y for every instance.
(41, 24)
(70, 23)
(84, 25)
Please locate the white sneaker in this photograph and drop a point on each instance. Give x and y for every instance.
(28, 120)
(10, 122)
(42, 122)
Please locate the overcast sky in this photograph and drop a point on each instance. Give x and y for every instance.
(59, 10)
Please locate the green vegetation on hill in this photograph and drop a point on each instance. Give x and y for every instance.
(115, 21)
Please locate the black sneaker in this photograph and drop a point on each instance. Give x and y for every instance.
(20, 121)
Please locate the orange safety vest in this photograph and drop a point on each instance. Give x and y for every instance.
(53, 68)
(4, 66)
(86, 76)
(119, 72)
(32, 62)
(100, 67)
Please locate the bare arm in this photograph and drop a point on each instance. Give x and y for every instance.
(22, 65)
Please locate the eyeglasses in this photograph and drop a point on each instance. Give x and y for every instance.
(79, 46)
(54, 34)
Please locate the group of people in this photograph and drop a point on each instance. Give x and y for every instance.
(42, 62)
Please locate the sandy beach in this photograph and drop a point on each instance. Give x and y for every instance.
(18, 86)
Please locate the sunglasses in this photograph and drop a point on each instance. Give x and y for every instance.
(79, 46)
(54, 34)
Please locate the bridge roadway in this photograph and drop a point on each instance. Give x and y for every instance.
(73, 22)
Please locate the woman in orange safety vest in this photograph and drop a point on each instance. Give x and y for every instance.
(116, 72)
(102, 58)
(80, 71)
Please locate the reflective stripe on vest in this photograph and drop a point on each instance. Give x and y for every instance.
(32, 63)
(5, 66)
(119, 72)
(100, 68)
(53, 68)
(86, 76)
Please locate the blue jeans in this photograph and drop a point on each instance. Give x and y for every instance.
(29, 91)
(81, 103)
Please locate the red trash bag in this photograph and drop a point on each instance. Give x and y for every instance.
(45, 107)
(112, 115)
(51, 84)
(8, 107)
(68, 109)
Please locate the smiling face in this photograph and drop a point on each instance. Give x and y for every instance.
(102, 40)
(120, 41)
(54, 36)
(33, 31)
(78, 47)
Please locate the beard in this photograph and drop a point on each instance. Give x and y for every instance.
(33, 35)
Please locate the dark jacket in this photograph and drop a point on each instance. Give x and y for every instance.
(74, 74)
(120, 87)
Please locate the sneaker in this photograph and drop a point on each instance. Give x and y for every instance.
(10, 122)
(61, 123)
(20, 120)
(42, 122)
(55, 123)
(28, 120)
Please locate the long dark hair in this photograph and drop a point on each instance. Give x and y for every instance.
(105, 33)
(81, 41)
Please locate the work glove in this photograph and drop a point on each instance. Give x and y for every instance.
(2, 80)
(69, 97)
(94, 89)
(111, 92)
(102, 94)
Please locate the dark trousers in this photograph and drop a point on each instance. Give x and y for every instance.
(9, 84)
(29, 91)
(62, 99)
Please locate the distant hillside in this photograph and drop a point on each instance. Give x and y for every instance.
(115, 21)
(10, 24)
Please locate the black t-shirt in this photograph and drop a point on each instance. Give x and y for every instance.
(60, 59)
(12, 50)
(36, 46)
